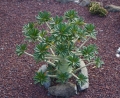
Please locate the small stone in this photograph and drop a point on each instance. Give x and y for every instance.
(2, 48)
(43, 68)
(117, 55)
(118, 52)
(119, 49)
(76, 1)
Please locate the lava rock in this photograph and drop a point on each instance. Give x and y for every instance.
(64, 90)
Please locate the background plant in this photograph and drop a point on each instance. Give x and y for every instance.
(56, 45)
(96, 9)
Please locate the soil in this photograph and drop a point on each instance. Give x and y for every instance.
(16, 73)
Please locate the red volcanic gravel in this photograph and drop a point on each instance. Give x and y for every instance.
(16, 73)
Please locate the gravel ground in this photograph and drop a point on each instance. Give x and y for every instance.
(16, 72)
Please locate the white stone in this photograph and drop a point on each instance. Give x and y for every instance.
(76, 1)
(119, 49)
(118, 55)
(84, 71)
(43, 68)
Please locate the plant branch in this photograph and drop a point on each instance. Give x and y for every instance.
(83, 66)
(84, 43)
(49, 62)
(74, 75)
(76, 53)
(75, 40)
(52, 76)
(48, 25)
(39, 40)
(28, 54)
(51, 57)
(52, 51)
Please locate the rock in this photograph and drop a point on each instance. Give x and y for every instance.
(118, 52)
(84, 2)
(43, 68)
(64, 90)
(47, 84)
(77, 1)
(84, 71)
(112, 8)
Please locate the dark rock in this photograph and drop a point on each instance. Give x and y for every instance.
(64, 90)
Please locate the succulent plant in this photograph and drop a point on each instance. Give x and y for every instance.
(55, 44)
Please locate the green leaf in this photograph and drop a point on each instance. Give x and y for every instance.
(32, 34)
(40, 77)
(74, 29)
(78, 21)
(90, 29)
(43, 17)
(89, 52)
(82, 79)
(43, 33)
(63, 28)
(70, 15)
(28, 27)
(82, 34)
(98, 62)
(62, 50)
(20, 49)
(73, 60)
(56, 20)
(62, 77)
(40, 51)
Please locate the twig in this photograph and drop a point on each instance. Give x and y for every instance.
(83, 66)
(52, 76)
(28, 54)
(74, 75)
(84, 43)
